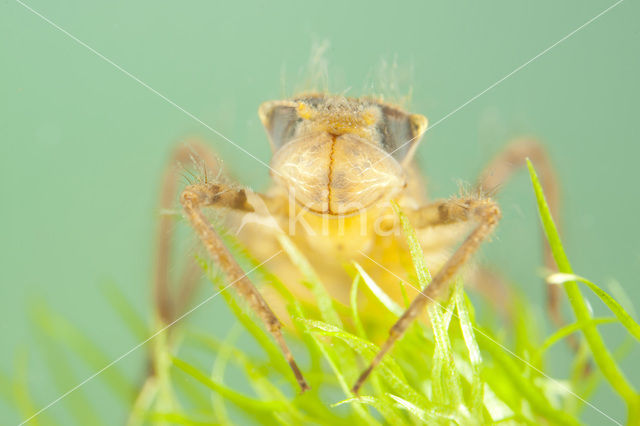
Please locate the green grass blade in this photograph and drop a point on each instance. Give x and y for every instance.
(411, 408)
(353, 298)
(328, 313)
(378, 292)
(248, 404)
(446, 380)
(450, 385)
(197, 398)
(217, 373)
(548, 223)
(522, 385)
(566, 331)
(365, 399)
(143, 402)
(417, 256)
(518, 419)
(382, 406)
(213, 346)
(257, 372)
(625, 319)
(22, 397)
(177, 419)
(474, 352)
(362, 346)
(432, 415)
(243, 256)
(60, 329)
(388, 369)
(64, 377)
(601, 354)
(249, 322)
(620, 294)
(126, 311)
(331, 356)
(258, 377)
(405, 296)
(166, 400)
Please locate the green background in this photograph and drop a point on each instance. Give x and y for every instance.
(82, 145)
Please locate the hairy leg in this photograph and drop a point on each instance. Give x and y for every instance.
(483, 211)
(193, 199)
(169, 306)
(171, 299)
(501, 169)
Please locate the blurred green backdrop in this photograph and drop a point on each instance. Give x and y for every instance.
(83, 145)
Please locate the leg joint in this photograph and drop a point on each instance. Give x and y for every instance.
(463, 210)
(489, 211)
(189, 197)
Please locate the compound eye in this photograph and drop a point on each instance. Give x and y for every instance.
(280, 119)
(401, 133)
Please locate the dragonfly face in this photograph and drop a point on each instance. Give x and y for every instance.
(340, 156)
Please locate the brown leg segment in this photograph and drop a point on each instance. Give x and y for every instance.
(500, 170)
(487, 213)
(193, 198)
(167, 306)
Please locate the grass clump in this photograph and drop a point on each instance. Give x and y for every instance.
(447, 370)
